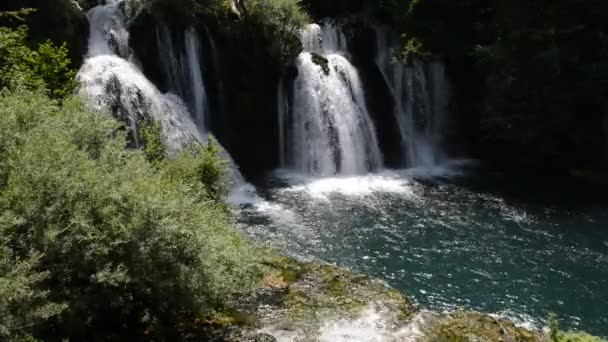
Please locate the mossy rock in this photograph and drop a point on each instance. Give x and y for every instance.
(299, 298)
(302, 296)
(576, 337)
(321, 61)
(470, 326)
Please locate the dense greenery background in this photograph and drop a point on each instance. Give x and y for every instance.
(532, 75)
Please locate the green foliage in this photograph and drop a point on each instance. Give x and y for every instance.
(52, 64)
(151, 137)
(535, 73)
(282, 21)
(16, 16)
(556, 335)
(126, 248)
(203, 168)
(463, 326)
(48, 67)
(413, 47)
(15, 70)
(23, 305)
(211, 170)
(181, 13)
(221, 10)
(577, 337)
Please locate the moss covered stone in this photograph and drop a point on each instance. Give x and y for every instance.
(321, 61)
(302, 296)
(470, 326)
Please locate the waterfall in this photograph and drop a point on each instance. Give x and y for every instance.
(421, 93)
(111, 82)
(182, 72)
(326, 128)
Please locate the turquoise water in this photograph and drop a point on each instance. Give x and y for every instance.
(513, 248)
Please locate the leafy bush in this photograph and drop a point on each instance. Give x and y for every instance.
(281, 20)
(556, 335)
(154, 147)
(48, 67)
(22, 304)
(203, 167)
(123, 247)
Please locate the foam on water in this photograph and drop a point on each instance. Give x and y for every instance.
(349, 186)
(372, 325)
(520, 320)
(449, 244)
(369, 327)
(375, 324)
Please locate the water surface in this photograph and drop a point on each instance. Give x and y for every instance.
(514, 248)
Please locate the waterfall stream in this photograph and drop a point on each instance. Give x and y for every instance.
(111, 82)
(421, 94)
(326, 129)
(183, 71)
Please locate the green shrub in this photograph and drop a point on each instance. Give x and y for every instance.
(556, 335)
(52, 64)
(154, 147)
(282, 21)
(203, 168)
(126, 248)
(22, 304)
(48, 67)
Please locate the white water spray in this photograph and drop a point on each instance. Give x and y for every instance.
(421, 94)
(113, 84)
(326, 130)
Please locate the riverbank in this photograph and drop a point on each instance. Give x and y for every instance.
(313, 301)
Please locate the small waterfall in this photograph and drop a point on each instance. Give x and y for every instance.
(421, 93)
(183, 71)
(326, 129)
(110, 82)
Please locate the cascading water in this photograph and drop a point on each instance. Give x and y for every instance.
(113, 83)
(421, 93)
(183, 71)
(325, 128)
